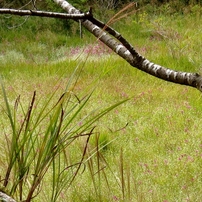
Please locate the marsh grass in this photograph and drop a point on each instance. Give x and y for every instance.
(147, 149)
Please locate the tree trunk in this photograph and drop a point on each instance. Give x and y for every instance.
(119, 45)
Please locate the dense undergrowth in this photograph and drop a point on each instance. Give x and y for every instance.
(147, 149)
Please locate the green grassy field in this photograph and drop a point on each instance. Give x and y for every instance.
(147, 149)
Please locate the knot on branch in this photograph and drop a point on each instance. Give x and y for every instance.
(89, 13)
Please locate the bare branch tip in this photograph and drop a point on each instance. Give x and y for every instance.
(91, 10)
(199, 82)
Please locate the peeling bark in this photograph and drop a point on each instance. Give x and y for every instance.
(124, 49)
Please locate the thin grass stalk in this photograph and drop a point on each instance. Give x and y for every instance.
(54, 181)
(122, 174)
(91, 170)
(14, 146)
(54, 167)
(106, 180)
(98, 163)
(29, 112)
(128, 172)
(83, 155)
(135, 189)
(116, 18)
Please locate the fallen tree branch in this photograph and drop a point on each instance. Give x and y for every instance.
(125, 50)
(116, 42)
(44, 14)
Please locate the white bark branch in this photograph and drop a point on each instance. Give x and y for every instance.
(116, 42)
(124, 49)
(5, 198)
(44, 14)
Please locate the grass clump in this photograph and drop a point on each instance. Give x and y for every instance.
(37, 140)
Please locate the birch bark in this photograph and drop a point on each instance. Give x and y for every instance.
(5, 198)
(119, 45)
(43, 14)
